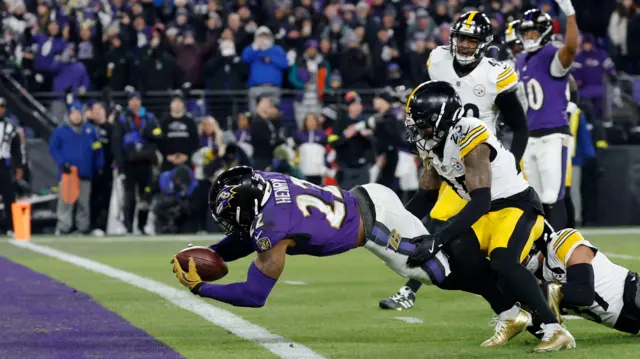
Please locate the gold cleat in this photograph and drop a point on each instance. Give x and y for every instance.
(555, 337)
(554, 297)
(507, 328)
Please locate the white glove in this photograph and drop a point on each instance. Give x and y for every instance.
(566, 7)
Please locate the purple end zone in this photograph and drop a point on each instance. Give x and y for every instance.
(43, 318)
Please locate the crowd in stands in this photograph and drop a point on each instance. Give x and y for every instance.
(322, 49)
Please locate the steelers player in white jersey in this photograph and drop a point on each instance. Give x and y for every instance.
(502, 217)
(487, 87)
(579, 279)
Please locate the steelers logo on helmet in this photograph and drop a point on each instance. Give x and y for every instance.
(470, 37)
(512, 43)
(535, 30)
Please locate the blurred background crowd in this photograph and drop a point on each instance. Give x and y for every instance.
(153, 98)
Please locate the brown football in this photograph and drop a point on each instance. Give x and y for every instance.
(209, 264)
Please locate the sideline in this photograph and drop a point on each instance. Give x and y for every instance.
(276, 344)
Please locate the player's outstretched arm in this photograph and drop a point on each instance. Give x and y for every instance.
(568, 52)
(579, 290)
(423, 201)
(478, 181)
(262, 276)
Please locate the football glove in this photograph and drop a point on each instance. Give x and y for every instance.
(426, 248)
(566, 7)
(190, 279)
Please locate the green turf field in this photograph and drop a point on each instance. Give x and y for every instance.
(335, 312)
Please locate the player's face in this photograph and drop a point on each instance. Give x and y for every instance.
(531, 35)
(466, 46)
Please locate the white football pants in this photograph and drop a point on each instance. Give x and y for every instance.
(545, 165)
(390, 236)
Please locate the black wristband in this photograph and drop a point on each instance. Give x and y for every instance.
(196, 289)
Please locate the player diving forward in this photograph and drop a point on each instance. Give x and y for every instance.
(502, 217)
(486, 87)
(543, 68)
(591, 286)
(275, 215)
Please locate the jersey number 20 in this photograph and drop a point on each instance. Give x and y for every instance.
(334, 213)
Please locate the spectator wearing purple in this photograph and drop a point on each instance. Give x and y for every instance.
(589, 69)
(311, 141)
(311, 73)
(190, 57)
(48, 48)
(266, 63)
(242, 134)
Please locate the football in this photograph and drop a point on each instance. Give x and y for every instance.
(209, 264)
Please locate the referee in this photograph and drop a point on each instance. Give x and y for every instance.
(10, 154)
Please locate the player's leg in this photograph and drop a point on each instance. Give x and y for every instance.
(529, 165)
(512, 234)
(388, 235)
(553, 162)
(449, 204)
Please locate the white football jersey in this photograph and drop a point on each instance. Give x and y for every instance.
(609, 278)
(479, 88)
(466, 135)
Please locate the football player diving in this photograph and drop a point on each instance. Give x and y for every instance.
(275, 215)
(543, 68)
(501, 219)
(581, 280)
(487, 87)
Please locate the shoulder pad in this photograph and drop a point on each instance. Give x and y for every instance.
(564, 242)
(468, 133)
(503, 75)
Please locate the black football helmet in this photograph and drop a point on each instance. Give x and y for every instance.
(475, 25)
(539, 21)
(235, 198)
(512, 43)
(432, 109)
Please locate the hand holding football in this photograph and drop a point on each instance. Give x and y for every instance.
(209, 264)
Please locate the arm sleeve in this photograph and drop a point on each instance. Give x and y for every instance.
(54, 149)
(232, 247)
(251, 293)
(421, 204)
(16, 151)
(556, 69)
(515, 117)
(279, 57)
(248, 54)
(479, 204)
(293, 77)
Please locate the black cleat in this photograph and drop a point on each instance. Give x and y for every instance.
(404, 299)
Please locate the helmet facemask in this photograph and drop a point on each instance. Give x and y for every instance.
(542, 24)
(470, 55)
(427, 134)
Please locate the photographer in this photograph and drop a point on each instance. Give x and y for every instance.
(173, 207)
(136, 133)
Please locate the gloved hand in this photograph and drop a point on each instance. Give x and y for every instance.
(66, 168)
(426, 248)
(190, 279)
(566, 7)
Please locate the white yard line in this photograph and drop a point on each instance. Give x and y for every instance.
(609, 231)
(410, 320)
(278, 345)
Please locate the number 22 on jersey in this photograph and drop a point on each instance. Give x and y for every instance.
(334, 213)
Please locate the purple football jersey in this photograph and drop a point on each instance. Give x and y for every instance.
(323, 221)
(546, 94)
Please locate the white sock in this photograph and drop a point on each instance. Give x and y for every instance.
(510, 313)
